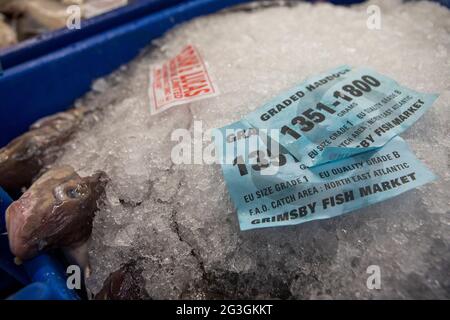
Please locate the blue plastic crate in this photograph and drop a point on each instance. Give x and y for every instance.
(51, 41)
(51, 82)
(47, 74)
(43, 277)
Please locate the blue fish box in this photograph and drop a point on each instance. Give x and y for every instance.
(47, 74)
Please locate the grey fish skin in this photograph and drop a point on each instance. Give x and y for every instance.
(126, 283)
(57, 211)
(48, 13)
(25, 156)
(8, 35)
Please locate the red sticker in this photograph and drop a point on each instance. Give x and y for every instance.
(180, 80)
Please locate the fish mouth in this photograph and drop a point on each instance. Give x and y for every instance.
(16, 219)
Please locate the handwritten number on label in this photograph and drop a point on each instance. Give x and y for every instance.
(304, 124)
(307, 120)
(321, 106)
(371, 81)
(263, 161)
(357, 88)
(314, 116)
(286, 130)
(239, 161)
(338, 94)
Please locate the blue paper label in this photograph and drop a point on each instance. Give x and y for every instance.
(340, 113)
(270, 187)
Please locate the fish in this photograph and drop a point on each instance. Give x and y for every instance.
(51, 14)
(48, 13)
(13, 7)
(57, 211)
(8, 35)
(126, 283)
(24, 157)
(29, 18)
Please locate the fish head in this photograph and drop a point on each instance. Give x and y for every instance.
(57, 211)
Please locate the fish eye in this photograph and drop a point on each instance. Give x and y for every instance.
(76, 191)
(72, 193)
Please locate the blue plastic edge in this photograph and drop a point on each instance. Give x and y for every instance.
(51, 41)
(52, 82)
(59, 72)
(10, 269)
(35, 291)
(44, 269)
